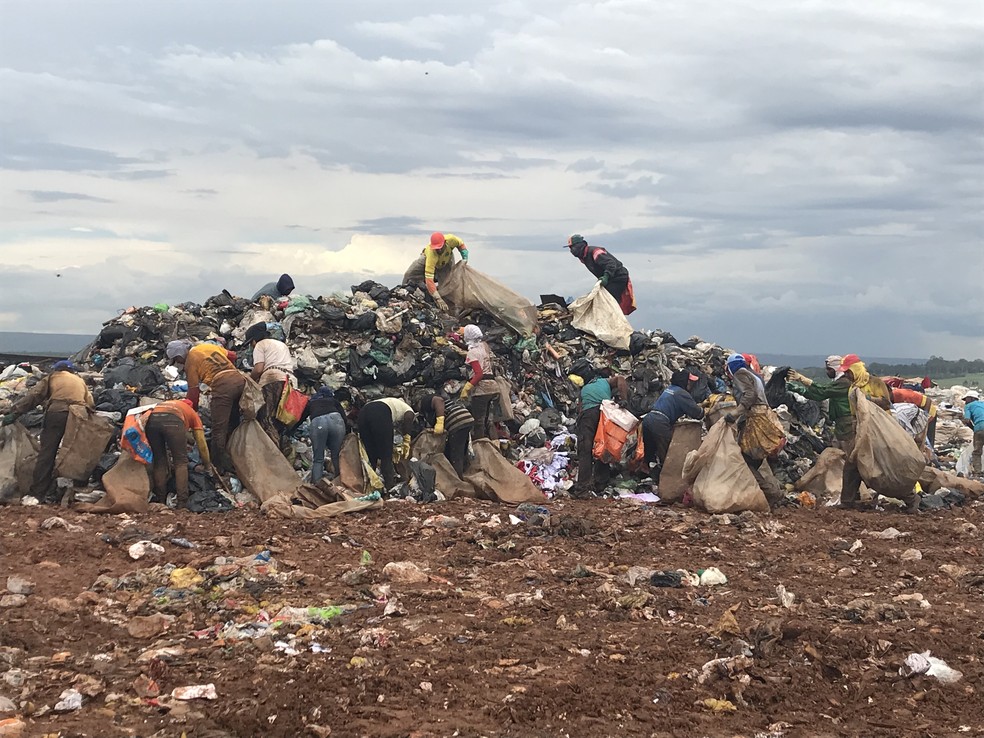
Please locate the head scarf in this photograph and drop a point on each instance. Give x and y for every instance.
(285, 285)
(65, 365)
(472, 335)
(178, 349)
(736, 362)
(324, 393)
(859, 374)
(833, 362)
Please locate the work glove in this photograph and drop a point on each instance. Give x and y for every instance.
(730, 419)
(466, 390)
(464, 255)
(795, 376)
(9, 418)
(439, 426)
(405, 448)
(441, 304)
(604, 280)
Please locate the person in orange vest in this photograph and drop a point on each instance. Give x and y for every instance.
(611, 273)
(167, 433)
(433, 266)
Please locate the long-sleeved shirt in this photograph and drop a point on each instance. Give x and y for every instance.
(435, 259)
(204, 362)
(749, 389)
(599, 262)
(675, 403)
(838, 405)
(901, 394)
(57, 392)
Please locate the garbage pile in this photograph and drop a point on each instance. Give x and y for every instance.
(379, 342)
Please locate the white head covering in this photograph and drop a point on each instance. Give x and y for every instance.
(472, 334)
(833, 362)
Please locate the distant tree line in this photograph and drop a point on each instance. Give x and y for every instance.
(936, 368)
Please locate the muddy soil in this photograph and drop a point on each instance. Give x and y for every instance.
(551, 627)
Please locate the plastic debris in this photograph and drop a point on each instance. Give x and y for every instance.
(925, 663)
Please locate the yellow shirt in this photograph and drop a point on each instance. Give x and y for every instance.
(434, 259)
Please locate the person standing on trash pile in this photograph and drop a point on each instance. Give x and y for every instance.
(58, 391)
(385, 426)
(281, 288)
(613, 276)
(834, 391)
(592, 474)
(481, 391)
(167, 431)
(207, 363)
(974, 419)
(434, 264)
(452, 419)
(674, 403)
(875, 389)
(327, 430)
(902, 394)
(760, 436)
(273, 370)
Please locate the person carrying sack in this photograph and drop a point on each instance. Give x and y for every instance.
(592, 474)
(58, 391)
(760, 435)
(167, 429)
(273, 370)
(207, 363)
(875, 389)
(433, 266)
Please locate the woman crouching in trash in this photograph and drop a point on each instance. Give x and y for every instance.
(481, 387)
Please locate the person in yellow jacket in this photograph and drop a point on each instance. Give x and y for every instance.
(434, 264)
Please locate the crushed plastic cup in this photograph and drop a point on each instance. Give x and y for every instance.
(924, 663)
(195, 692)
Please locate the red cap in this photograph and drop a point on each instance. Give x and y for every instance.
(437, 240)
(848, 361)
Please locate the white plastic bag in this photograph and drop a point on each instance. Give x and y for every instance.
(598, 314)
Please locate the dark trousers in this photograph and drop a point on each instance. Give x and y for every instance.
(770, 488)
(931, 433)
(591, 473)
(267, 416)
(657, 433)
(481, 409)
(167, 435)
(376, 432)
(616, 287)
(456, 449)
(43, 484)
(227, 389)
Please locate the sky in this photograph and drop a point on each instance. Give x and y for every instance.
(805, 178)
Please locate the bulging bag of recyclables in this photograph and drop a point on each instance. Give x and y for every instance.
(888, 458)
(615, 427)
(468, 288)
(598, 314)
(720, 480)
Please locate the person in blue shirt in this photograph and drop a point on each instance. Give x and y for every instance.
(593, 475)
(974, 418)
(657, 427)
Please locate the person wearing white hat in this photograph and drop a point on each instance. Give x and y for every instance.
(974, 418)
(836, 394)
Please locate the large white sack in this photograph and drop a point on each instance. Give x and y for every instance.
(598, 314)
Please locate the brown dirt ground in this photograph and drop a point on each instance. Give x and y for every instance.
(502, 640)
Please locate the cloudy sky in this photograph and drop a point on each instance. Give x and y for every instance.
(779, 177)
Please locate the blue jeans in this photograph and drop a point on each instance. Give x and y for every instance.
(326, 431)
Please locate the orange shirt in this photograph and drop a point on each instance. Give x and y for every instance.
(911, 396)
(204, 362)
(183, 410)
